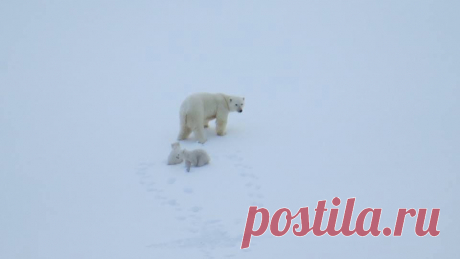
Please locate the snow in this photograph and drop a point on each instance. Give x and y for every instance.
(343, 99)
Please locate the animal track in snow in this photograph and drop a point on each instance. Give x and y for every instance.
(188, 190)
(195, 209)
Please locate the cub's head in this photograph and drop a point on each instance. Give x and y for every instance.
(235, 103)
(175, 157)
(175, 145)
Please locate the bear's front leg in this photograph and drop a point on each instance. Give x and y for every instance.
(221, 126)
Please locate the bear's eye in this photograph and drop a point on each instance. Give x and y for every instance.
(236, 104)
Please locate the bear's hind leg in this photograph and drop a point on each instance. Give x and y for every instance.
(184, 132)
(199, 134)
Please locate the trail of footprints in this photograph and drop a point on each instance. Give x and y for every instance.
(253, 188)
(208, 233)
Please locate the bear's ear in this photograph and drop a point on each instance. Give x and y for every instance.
(243, 98)
(230, 99)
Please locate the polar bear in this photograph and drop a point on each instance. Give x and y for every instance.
(197, 157)
(198, 109)
(175, 157)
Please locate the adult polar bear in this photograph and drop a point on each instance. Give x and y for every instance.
(198, 109)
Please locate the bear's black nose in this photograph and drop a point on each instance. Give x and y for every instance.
(240, 111)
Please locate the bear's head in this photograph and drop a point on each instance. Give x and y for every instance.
(236, 103)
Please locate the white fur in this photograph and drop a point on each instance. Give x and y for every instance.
(197, 157)
(175, 156)
(198, 109)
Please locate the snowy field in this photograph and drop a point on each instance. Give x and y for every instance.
(343, 99)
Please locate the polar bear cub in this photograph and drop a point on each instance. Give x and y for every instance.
(197, 157)
(200, 108)
(175, 156)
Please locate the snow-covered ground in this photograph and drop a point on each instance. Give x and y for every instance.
(343, 99)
